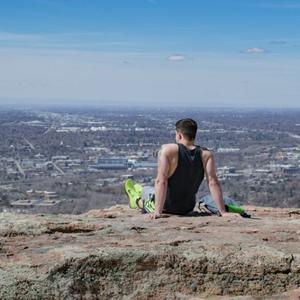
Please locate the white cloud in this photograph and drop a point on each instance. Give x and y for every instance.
(254, 50)
(177, 57)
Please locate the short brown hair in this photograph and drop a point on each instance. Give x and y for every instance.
(188, 128)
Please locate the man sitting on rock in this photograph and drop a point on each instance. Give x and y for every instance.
(181, 169)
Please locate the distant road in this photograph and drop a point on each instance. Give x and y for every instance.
(49, 129)
(30, 145)
(58, 168)
(20, 169)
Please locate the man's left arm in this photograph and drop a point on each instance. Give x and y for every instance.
(161, 182)
(215, 187)
(213, 183)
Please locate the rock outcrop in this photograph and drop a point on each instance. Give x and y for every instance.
(117, 253)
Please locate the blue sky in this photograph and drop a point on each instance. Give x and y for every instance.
(242, 53)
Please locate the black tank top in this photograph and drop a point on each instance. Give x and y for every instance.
(185, 181)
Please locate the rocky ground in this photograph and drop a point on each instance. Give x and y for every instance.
(117, 254)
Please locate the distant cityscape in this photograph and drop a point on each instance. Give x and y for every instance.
(72, 160)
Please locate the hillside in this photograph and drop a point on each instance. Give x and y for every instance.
(116, 254)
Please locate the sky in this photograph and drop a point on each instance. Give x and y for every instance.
(206, 53)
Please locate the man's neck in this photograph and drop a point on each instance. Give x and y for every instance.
(187, 144)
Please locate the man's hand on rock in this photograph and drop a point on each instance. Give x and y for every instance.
(153, 216)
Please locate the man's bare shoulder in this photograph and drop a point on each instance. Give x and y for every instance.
(169, 149)
(206, 155)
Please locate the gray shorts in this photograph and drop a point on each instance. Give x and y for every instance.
(148, 192)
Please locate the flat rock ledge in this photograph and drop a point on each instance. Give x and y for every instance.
(117, 253)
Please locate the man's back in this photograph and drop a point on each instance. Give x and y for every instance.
(171, 151)
(186, 173)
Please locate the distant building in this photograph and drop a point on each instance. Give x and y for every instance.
(59, 157)
(112, 163)
(226, 170)
(228, 150)
(41, 194)
(27, 163)
(127, 176)
(291, 170)
(101, 128)
(285, 168)
(262, 171)
(37, 198)
(68, 129)
(145, 164)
